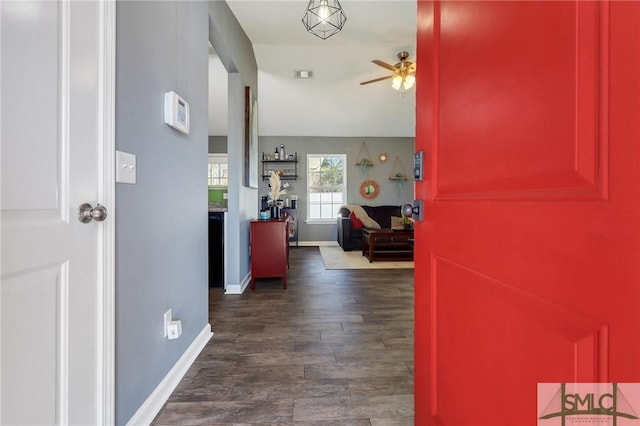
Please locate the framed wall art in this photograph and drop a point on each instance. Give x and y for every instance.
(250, 139)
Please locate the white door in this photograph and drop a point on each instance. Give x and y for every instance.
(55, 290)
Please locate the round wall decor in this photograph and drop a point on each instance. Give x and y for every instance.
(369, 189)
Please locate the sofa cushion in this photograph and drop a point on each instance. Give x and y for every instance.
(382, 214)
(357, 223)
(363, 215)
(397, 223)
(400, 223)
(350, 237)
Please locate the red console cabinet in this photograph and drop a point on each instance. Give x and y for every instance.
(269, 250)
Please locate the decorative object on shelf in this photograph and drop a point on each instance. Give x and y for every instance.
(364, 159)
(279, 155)
(275, 211)
(289, 216)
(265, 214)
(383, 157)
(364, 166)
(398, 175)
(275, 191)
(404, 73)
(369, 189)
(250, 139)
(324, 18)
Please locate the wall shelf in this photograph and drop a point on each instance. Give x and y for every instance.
(283, 177)
(398, 172)
(288, 167)
(364, 156)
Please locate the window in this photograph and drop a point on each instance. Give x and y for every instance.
(326, 186)
(218, 170)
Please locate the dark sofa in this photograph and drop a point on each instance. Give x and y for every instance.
(350, 238)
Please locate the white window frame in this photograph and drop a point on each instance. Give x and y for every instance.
(218, 159)
(332, 220)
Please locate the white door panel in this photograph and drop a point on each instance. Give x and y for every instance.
(51, 305)
(33, 333)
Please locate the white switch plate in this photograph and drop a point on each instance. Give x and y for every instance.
(125, 167)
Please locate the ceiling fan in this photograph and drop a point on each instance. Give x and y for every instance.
(404, 73)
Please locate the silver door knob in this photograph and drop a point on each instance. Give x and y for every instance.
(414, 211)
(86, 213)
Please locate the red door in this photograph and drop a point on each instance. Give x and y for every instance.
(527, 264)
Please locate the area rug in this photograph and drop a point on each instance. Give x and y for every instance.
(336, 258)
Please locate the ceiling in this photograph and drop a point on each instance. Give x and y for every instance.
(332, 103)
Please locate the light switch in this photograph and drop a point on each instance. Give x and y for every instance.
(125, 167)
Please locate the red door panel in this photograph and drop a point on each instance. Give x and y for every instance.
(528, 91)
(526, 264)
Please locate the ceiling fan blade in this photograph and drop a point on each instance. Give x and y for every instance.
(376, 79)
(384, 65)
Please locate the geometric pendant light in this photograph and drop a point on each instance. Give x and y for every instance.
(324, 18)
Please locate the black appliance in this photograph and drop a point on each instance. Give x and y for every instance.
(216, 249)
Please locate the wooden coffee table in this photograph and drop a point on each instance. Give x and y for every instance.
(387, 244)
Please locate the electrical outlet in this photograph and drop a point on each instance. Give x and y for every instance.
(174, 330)
(167, 320)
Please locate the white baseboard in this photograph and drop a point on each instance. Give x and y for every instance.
(238, 288)
(152, 405)
(317, 243)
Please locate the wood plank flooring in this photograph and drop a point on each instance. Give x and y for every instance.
(335, 348)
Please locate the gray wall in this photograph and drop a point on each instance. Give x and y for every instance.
(236, 54)
(380, 172)
(161, 230)
(217, 144)
(161, 235)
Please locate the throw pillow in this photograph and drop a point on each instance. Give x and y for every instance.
(396, 222)
(357, 223)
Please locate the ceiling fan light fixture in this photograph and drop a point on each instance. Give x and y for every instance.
(324, 18)
(409, 81)
(403, 81)
(396, 82)
(404, 73)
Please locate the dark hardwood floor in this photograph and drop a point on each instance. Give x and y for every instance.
(335, 348)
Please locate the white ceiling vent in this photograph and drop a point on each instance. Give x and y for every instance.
(304, 74)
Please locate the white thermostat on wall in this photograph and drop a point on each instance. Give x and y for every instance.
(176, 112)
